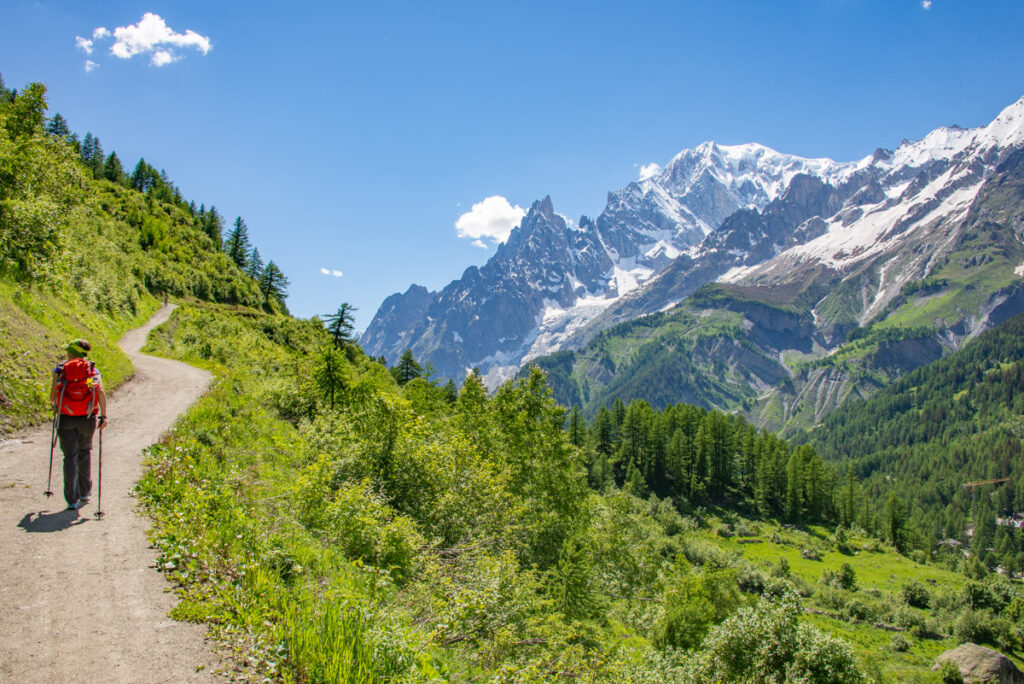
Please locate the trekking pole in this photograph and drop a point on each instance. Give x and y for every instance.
(53, 443)
(99, 492)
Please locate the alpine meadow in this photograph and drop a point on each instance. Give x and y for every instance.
(762, 420)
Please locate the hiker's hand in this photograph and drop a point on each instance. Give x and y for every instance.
(103, 422)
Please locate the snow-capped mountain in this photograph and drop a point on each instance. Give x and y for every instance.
(744, 214)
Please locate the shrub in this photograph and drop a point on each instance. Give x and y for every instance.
(899, 643)
(950, 674)
(974, 625)
(847, 577)
(767, 643)
(915, 594)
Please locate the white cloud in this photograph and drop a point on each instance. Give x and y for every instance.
(648, 170)
(151, 36)
(90, 65)
(331, 272)
(163, 57)
(492, 218)
(926, 4)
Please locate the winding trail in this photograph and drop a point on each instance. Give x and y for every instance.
(79, 600)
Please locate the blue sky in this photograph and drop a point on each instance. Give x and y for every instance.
(352, 136)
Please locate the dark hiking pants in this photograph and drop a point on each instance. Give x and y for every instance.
(76, 442)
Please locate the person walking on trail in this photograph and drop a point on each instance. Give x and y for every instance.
(77, 397)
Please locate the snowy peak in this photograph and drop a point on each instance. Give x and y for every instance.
(757, 174)
(1008, 128)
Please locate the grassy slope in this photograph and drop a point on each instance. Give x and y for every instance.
(881, 573)
(36, 325)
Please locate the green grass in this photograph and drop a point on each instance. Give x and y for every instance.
(37, 324)
(880, 574)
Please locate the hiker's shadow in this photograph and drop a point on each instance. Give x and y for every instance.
(50, 522)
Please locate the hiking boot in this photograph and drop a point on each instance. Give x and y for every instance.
(85, 497)
(75, 506)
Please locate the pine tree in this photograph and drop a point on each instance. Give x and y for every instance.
(330, 374)
(408, 368)
(341, 324)
(273, 283)
(143, 177)
(113, 171)
(577, 427)
(895, 520)
(254, 267)
(213, 225)
(237, 244)
(57, 126)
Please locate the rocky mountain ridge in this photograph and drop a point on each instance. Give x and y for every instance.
(816, 234)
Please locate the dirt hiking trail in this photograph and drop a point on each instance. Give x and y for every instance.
(79, 600)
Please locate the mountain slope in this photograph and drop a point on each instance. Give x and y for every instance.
(914, 253)
(552, 278)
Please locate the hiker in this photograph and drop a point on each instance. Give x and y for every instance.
(76, 394)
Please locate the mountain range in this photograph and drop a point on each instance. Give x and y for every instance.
(762, 281)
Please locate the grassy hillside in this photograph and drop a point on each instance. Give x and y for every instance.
(85, 256)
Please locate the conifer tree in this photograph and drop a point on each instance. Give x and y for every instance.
(113, 171)
(407, 368)
(577, 427)
(895, 520)
(237, 245)
(254, 267)
(273, 283)
(340, 325)
(57, 126)
(213, 225)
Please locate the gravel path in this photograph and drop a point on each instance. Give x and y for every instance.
(79, 600)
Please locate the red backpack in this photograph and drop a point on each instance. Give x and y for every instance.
(78, 394)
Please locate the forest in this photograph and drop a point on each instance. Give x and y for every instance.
(937, 429)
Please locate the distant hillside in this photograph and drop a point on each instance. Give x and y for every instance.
(955, 421)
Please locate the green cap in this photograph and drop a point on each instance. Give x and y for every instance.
(79, 348)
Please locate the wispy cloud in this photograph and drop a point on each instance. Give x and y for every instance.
(150, 36)
(926, 4)
(648, 170)
(492, 219)
(331, 272)
(90, 65)
(83, 44)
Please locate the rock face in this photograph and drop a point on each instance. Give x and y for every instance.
(550, 277)
(980, 664)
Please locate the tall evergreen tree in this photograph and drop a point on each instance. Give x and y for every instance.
(273, 283)
(57, 126)
(341, 324)
(143, 177)
(213, 225)
(254, 267)
(113, 171)
(237, 244)
(407, 368)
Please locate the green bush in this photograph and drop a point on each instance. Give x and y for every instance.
(914, 593)
(950, 674)
(899, 643)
